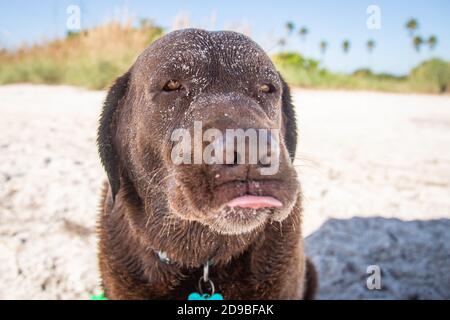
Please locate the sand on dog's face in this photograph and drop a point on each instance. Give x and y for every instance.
(360, 154)
(219, 77)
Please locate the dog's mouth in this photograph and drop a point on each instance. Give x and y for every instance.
(244, 214)
(254, 202)
(244, 206)
(233, 206)
(250, 194)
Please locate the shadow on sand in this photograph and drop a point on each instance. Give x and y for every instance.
(413, 256)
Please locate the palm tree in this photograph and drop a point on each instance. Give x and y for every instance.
(303, 33)
(290, 26)
(432, 42)
(418, 42)
(370, 45)
(412, 25)
(346, 46)
(323, 46)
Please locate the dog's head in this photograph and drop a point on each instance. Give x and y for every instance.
(202, 128)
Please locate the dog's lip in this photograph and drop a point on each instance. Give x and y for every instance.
(254, 202)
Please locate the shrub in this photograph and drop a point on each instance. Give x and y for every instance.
(434, 73)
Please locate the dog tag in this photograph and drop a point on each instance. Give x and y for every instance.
(198, 296)
(205, 279)
(100, 296)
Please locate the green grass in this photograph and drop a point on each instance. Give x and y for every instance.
(432, 76)
(94, 74)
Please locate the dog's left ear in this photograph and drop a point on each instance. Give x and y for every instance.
(289, 121)
(107, 129)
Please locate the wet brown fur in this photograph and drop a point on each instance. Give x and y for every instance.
(137, 217)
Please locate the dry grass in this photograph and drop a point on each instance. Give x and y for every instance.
(90, 59)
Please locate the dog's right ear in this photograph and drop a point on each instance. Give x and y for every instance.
(107, 129)
(289, 120)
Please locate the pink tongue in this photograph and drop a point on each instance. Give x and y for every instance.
(255, 202)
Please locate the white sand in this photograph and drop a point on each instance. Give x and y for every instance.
(373, 154)
(361, 154)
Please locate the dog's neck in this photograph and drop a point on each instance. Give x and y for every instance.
(191, 244)
(129, 250)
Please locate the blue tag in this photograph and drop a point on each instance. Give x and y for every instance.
(198, 296)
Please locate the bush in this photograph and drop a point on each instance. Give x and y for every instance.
(432, 76)
(434, 73)
(363, 73)
(298, 70)
(294, 60)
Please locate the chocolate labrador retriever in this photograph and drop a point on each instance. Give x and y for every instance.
(170, 229)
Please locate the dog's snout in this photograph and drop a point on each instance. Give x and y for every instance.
(236, 155)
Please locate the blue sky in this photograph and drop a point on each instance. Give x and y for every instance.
(24, 21)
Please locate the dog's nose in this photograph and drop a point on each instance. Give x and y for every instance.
(234, 155)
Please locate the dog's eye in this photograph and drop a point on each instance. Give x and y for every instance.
(267, 88)
(172, 85)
